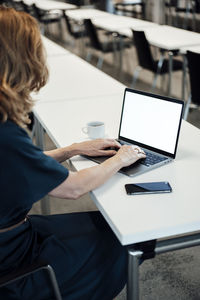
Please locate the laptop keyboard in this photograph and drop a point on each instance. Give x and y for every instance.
(151, 159)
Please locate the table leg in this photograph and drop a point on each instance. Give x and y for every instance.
(133, 274)
(162, 246)
(39, 140)
(120, 54)
(170, 72)
(184, 76)
(39, 134)
(45, 206)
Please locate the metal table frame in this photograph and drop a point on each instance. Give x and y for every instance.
(38, 132)
(162, 246)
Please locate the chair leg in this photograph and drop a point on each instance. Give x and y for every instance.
(115, 52)
(73, 44)
(187, 107)
(135, 76)
(88, 56)
(60, 31)
(100, 62)
(81, 46)
(33, 131)
(163, 82)
(154, 82)
(159, 66)
(42, 29)
(54, 283)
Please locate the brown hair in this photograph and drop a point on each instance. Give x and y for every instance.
(22, 64)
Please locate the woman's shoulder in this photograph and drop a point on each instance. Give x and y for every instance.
(9, 125)
(11, 134)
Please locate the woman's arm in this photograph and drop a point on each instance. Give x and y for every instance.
(81, 182)
(90, 148)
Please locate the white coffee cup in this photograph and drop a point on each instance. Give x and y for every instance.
(94, 130)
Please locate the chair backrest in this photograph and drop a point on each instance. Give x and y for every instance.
(23, 5)
(8, 3)
(28, 8)
(194, 72)
(143, 51)
(69, 27)
(92, 33)
(171, 3)
(32, 10)
(197, 6)
(38, 11)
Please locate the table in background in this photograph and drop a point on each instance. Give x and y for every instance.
(71, 78)
(190, 48)
(162, 36)
(107, 20)
(170, 39)
(110, 23)
(51, 5)
(87, 13)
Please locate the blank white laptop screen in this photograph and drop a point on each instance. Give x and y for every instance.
(151, 121)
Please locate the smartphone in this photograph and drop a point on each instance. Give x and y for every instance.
(148, 188)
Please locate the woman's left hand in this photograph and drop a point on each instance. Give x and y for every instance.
(99, 147)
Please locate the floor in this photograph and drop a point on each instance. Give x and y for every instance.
(175, 275)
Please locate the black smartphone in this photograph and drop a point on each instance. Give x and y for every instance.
(148, 188)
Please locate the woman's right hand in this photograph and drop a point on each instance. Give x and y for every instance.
(85, 180)
(129, 154)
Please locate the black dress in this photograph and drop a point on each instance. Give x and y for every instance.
(89, 262)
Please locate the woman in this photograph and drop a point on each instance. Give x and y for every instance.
(88, 260)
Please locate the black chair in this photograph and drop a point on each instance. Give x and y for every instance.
(116, 45)
(193, 62)
(146, 60)
(74, 29)
(18, 5)
(30, 270)
(8, 3)
(27, 8)
(46, 17)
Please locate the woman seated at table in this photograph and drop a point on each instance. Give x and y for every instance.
(88, 260)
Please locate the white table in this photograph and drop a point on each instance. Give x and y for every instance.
(172, 38)
(71, 78)
(131, 2)
(135, 218)
(51, 5)
(116, 22)
(53, 49)
(87, 13)
(108, 21)
(195, 49)
(82, 110)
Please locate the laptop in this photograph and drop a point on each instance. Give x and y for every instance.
(151, 122)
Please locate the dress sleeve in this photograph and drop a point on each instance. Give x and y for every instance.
(28, 171)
